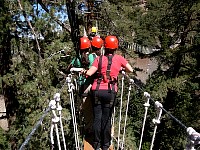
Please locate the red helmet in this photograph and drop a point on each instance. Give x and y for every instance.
(111, 42)
(84, 43)
(97, 42)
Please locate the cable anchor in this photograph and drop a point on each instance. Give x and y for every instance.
(193, 138)
(156, 120)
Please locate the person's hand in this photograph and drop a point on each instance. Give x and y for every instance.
(83, 71)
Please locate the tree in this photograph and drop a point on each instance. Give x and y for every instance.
(30, 70)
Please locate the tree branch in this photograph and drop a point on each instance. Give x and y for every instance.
(30, 25)
(65, 26)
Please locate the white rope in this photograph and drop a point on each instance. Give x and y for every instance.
(76, 128)
(156, 121)
(51, 134)
(129, 92)
(55, 120)
(146, 105)
(74, 118)
(120, 111)
(57, 135)
(76, 85)
(70, 86)
(59, 108)
(113, 125)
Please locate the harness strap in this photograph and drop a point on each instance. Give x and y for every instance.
(105, 78)
(96, 97)
(108, 77)
(99, 69)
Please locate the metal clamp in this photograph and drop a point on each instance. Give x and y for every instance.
(159, 107)
(147, 95)
(193, 138)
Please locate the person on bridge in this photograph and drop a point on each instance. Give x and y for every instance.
(82, 60)
(96, 45)
(104, 90)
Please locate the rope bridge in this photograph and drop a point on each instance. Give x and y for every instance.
(56, 121)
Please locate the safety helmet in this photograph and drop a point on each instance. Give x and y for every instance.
(84, 43)
(111, 42)
(97, 42)
(94, 29)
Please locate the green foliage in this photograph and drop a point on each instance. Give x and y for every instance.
(29, 81)
(3, 140)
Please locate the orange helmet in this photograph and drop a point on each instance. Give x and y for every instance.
(111, 42)
(97, 42)
(84, 43)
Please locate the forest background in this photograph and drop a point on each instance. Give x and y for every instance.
(31, 62)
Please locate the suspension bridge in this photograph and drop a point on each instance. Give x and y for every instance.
(57, 133)
(57, 126)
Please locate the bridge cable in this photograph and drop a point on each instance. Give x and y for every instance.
(160, 108)
(127, 105)
(156, 121)
(120, 111)
(35, 128)
(57, 118)
(70, 90)
(146, 105)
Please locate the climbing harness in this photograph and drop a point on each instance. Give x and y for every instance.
(106, 78)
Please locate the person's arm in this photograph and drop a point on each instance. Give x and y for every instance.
(128, 68)
(70, 65)
(125, 64)
(91, 71)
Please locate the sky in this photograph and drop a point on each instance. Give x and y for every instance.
(61, 15)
